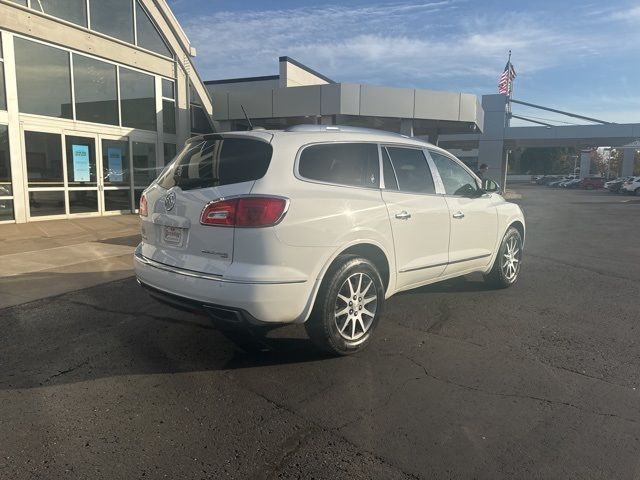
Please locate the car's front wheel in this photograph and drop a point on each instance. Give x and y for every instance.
(506, 266)
(348, 306)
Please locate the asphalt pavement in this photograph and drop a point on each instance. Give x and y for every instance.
(538, 381)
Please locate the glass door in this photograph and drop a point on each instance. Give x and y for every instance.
(44, 162)
(83, 174)
(116, 175)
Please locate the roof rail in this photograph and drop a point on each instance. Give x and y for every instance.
(340, 128)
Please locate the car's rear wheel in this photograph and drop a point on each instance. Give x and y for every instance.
(506, 266)
(637, 192)
(348, 306)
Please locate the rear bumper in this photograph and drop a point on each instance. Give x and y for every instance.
(231, 301)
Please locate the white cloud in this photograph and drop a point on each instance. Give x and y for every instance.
(440, 44)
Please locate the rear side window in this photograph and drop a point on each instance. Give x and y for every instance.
(217, 161)
(412, 170)
(352, 164)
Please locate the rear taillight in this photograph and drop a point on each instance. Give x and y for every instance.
(244, 212)
(144, 209)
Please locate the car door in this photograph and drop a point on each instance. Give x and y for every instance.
(474, 216)
(419, 216)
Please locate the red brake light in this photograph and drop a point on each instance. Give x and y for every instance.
(244, 212)
(144, 209)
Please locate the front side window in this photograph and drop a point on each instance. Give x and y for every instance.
(390, 180)
(44, 79)
(217, 161)
(412, 170)
(456, 180)
(96, 92)
(113, 18)
(74, 11)
(352, 164)
(137, 91)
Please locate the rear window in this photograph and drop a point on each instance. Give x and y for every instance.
(217, 161)
(352, 164)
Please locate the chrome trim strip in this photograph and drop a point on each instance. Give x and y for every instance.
(445, 263)
(205, 276)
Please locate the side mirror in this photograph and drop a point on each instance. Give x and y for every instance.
(490, 186)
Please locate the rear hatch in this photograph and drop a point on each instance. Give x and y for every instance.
(209, 168)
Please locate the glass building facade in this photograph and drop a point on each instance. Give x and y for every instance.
(92, 104)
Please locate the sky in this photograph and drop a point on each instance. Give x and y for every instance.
(577, 56)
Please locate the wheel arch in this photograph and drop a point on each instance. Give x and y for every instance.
(518, 225)
(371, 251)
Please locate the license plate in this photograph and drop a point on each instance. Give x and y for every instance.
(172, 235)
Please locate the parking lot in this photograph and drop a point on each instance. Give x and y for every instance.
(538, 381)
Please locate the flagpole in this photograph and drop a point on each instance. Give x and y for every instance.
(509, 90)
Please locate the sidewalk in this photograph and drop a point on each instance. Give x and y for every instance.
(41, 259)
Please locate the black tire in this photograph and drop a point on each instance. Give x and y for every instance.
(637, 192)
(502, 275)
(350, 331)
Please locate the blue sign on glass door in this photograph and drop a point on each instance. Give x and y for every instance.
(81, 161)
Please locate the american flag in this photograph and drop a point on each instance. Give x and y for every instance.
(506, 79)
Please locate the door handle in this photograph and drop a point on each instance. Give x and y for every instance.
(458, 215)
(403, 215)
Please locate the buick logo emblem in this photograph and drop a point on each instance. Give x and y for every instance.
(170, 201)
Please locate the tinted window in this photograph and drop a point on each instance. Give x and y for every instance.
(44, 159)
(95, 90)
(167, 89)
(145, 170)
(456, 180)
(6, 210)
(354, 164)
(113, 18)
(5, 163)
(44, 79)
(390, 180)
(73, 11)
(169, 152)
(199, 121)
(412, 170)
(148, 36)
(219, 161)
(3, 98)
(168, 116)
(137, 91)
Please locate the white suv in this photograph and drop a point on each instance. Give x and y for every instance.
(319, 225)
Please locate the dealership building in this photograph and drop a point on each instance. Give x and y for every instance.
(95, 97)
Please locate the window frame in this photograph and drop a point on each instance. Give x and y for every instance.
(118, 66)
(299, 176)
(436, 173)
(89, 28)
(169, 99)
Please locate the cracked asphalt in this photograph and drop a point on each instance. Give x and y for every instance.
(538, 381)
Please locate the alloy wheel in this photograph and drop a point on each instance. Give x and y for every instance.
(356, 306)
(511, 259)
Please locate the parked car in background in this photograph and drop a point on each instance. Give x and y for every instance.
(591, 183)
(318, 225)
(615, 184)
(573, 183)
(631, 186)
(556, 183)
